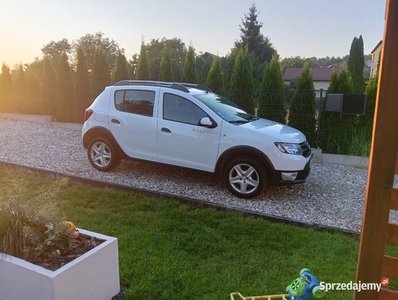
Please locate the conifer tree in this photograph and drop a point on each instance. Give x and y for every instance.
(20, 91)
(242, 83)
(122, 71)
(143, 65)
(101, 74)
(345, 84)
(189, 72)
(166, 71)
(334, 82)
(34, 103)
(6, 90)
(272, 97)
(82, 87)
(65, 90)
(49, 88)
(356, 64)
(252, 38)
(302, 109)
(337, 130)
(215, 77)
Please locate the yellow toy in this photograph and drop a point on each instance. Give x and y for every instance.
(236, 296)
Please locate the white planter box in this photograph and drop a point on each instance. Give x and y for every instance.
(94, 275)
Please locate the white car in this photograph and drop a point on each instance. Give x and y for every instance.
(187, 125)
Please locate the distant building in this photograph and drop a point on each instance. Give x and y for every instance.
(320, 76)
(208, 55)
(376, 53)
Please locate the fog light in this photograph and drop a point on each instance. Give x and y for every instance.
(289, 176)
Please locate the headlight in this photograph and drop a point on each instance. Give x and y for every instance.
(289, 148)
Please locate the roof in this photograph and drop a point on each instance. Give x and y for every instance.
(318, 74)
(208, 54)
(377, 46)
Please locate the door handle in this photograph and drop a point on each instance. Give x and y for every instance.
(165, 130)
(115, 121)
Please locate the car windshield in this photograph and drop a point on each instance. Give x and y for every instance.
(225, 108)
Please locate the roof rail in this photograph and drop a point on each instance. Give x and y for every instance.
(174, 85)
(197, 86)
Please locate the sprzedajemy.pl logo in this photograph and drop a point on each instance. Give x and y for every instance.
(354, 286)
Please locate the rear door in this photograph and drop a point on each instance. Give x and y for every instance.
(133, 121)
(181, 140)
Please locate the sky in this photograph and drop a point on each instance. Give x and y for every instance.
(303, 28)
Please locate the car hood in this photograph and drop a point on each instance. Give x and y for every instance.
(280, 132)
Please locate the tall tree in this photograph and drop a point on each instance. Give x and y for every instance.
(142, 65)
(189, 71)
(36, 67)
(55, 49)
(302, 109)
(132, 65)
(227, 66)
(215, 78)
(166, 70)
(20, 91)
(345, 84)
(101, 74)
(82, 87)
(90, 42)
(334, 82)
(242, 83)
(272, 95)
(356, 64)
(34, 103)
(252, 38)
(154, 54)
(122, 70)
(49, 87)
(65, 90)
(203, 64)
(6, 89)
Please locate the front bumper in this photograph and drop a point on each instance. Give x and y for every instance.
(282, 177)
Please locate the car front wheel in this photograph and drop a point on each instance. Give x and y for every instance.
(102, 154)
(244, 177)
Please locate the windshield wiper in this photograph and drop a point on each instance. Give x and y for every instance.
(239, 121)
(253, 118)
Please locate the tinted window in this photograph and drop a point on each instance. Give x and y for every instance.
(179, 109)
(226, 109)
(135, 101)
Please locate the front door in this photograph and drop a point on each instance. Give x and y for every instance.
(181, 140)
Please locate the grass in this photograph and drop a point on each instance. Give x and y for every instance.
(170, 250)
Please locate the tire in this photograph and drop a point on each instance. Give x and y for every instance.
(244, 177)
(102, 154)
(304, 270)
(318, 292)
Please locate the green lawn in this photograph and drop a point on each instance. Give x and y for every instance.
(171, 250)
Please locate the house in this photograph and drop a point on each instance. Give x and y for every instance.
(208, 55)
(376, 52)
(321, 76)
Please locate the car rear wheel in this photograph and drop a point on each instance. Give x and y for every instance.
(244, 177)
(102, 154)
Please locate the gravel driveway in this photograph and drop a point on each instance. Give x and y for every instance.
(333, 195)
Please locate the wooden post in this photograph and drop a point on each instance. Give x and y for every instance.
(382, 160)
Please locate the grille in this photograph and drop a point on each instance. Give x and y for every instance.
(306, 149)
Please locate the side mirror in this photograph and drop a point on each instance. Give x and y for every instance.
(206, 122)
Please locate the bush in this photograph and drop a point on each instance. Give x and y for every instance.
(302, 109)
(25, 234)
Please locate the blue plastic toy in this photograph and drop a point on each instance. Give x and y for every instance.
(304, 287)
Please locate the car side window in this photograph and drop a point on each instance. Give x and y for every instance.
(179, 109)
(135, 101)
